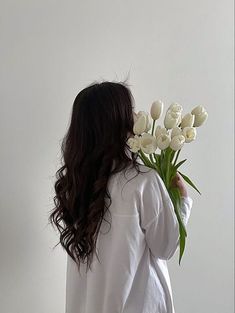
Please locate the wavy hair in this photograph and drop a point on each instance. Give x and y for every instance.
(92, 149)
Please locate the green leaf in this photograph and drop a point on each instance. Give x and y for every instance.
(177, 155)
(173, 173)
(177, 199)
(180, 163)
(168, 168)
(172, 155)
(182, 244)
(189, 182)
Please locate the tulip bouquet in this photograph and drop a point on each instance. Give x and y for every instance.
(170, 139)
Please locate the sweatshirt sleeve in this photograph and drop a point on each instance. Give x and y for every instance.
(158, 219)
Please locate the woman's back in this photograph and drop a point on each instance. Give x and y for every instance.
(135, 239)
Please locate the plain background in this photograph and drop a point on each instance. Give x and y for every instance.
(179, 51)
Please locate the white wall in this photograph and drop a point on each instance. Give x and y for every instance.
(175, 51)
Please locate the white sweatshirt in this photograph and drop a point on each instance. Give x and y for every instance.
(133, 275)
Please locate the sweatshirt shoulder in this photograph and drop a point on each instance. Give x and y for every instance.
(145, 177)
(148, 173)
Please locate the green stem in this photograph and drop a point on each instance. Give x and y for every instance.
(157, 161)
(146, 160)
(151, 157)
(141, 158)
(154, 121)
(154, 162)
(162, 155)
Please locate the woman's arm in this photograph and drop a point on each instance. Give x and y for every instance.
(159, 220)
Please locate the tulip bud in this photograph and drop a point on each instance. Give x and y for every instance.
(187, 120)
(177, 142)
(148, 120)
(140, 125)
(189, 133)
(200, 115)
(198, 110)
(156, 109)
(200, 119)
(163, 141)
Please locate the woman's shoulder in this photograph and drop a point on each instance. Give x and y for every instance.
(140, 175)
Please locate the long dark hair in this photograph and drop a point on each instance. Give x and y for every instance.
(93, 149)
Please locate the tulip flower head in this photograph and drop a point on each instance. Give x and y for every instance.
(161, 130)
(189, 134)
(177, 142)
(148, 120)
(148, 143)
(156, 109)
(134, 143)
(135, 117)
(140, 125)
(173, 116)
(187, 120)
(176, 131)
(200, 115)
(163, 141)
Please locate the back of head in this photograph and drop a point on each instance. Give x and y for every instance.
(101, 122)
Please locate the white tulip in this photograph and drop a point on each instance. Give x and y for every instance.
(176, 131)
(148, 143)
(140, 125)
(175, 114)
(160, 130)
(177, 142)
(175, 107)
(148, 120)
(200, 115)
(172, 119)
(134, 143)
(200, 119)
(148, 124)
(189, 134)
(163, 141)
(187, 120)
(198, 110)
(156, 109)
(135, 117)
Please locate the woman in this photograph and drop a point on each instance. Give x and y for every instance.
(114, 215)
